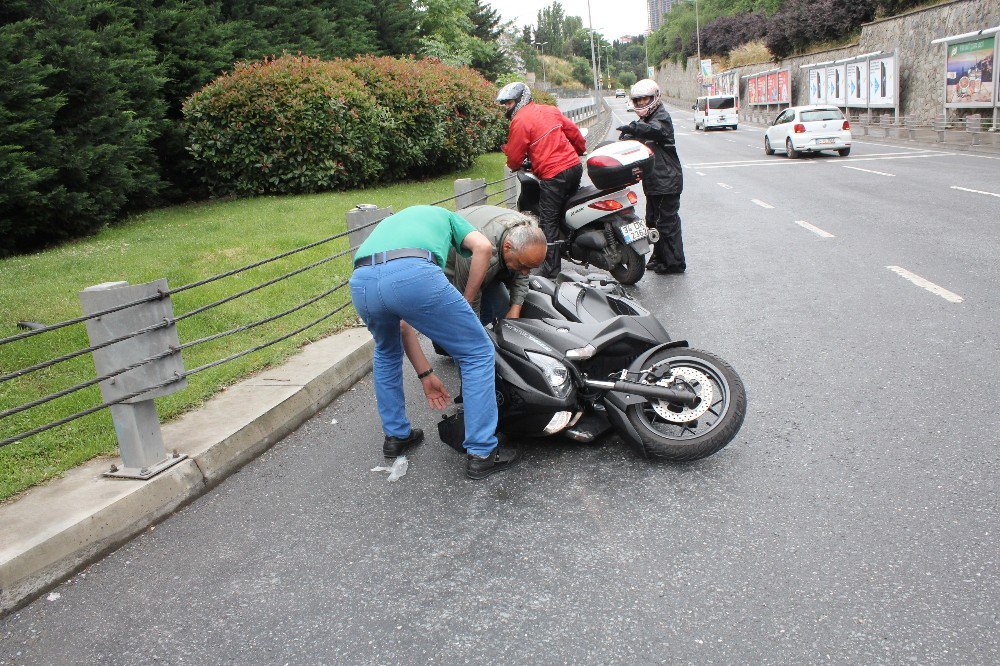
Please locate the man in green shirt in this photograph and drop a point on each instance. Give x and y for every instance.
(398, 282)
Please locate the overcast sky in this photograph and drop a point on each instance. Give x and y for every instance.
(612, 18)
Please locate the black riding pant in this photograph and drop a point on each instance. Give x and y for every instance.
(555, 192)
(662, 213)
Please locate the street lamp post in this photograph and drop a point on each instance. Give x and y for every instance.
(593, 56)
(541, 45)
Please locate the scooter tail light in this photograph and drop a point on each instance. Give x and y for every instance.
(847, 124)
(632, 198)
(606, 204)
(799, 128)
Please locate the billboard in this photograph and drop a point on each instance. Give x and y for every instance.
(882, 82)
(836, 85)
(969, 80)
(784, 87)
(857, 84)
(817, 86)
(774, 87)
(726, 83)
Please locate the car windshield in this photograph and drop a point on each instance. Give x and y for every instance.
(722, 103)
(821, 114)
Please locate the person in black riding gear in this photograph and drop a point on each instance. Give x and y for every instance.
(664, 183)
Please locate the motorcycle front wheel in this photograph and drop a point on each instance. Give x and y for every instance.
(630, 267)
(678, 433)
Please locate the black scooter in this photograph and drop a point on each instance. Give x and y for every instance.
(585, 359)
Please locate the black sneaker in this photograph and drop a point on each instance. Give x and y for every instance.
(668, 270)
(502, 457)
(396, 446)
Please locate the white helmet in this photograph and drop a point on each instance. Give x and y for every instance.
(517, 92)
(645, 88)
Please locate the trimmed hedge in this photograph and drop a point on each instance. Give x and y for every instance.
(298, 124)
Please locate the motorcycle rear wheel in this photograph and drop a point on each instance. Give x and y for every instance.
(672, 441)
(630, 268)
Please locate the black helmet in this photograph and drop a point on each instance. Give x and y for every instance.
(517, 92)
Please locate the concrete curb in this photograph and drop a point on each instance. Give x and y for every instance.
(54, 530)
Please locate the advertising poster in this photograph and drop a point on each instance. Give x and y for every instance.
(835, 85)
(751, 90)
(857, 84)
(762, 89)
(772, 88)
(784, 89)
(817, 86)
(969, 80)
(882, 82)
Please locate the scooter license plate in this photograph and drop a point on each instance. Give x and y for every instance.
(634, 231)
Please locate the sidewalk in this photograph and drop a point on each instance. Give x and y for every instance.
(54, 530)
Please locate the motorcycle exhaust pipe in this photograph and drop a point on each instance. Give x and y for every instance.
(686, 398)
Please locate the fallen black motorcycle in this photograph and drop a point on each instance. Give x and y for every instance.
(585, 359)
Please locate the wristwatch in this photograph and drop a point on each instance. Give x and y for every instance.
(425, 373)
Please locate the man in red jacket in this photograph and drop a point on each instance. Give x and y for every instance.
(554, 144)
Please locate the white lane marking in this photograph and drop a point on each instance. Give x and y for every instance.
(816, 230)
(911, 151)
(743, 162)
(965, 189)
(728, 187)
(895, 157)
(750, 145)
(881, 173)
(926, 284)
(762, 204)
(699, 173)
(763, 163)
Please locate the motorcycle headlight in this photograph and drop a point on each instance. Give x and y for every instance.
(556, 374)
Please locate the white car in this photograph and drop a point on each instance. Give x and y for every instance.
(808, 129)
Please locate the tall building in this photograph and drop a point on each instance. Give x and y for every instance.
(657, 8)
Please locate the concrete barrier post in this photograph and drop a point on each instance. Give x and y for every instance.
(137, 425)
(470, 192)
(361, 219)
(974, 125)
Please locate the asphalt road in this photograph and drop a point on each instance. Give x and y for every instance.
(853, 520)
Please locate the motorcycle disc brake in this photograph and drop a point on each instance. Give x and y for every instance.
(698, 382)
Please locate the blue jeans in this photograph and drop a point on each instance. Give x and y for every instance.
(417, 291)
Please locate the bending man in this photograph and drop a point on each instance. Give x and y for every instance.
(518, 248)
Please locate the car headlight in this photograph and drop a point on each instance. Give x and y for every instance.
(556, 374)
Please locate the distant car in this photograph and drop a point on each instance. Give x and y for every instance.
(716, 111)
(628, 106)
(619, 93)
(809, 129)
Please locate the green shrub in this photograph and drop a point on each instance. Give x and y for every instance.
(293, 124)
(298, 124)
(438, 117)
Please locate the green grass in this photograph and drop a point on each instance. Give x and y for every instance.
(182, 244)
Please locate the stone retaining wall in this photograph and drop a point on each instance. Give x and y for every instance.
(921, 64)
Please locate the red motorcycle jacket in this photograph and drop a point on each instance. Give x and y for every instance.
(552, 141)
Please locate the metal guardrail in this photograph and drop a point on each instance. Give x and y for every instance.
(135, 344)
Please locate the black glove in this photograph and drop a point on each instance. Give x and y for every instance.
(627, 129)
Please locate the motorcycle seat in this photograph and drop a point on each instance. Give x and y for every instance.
(585, 193)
